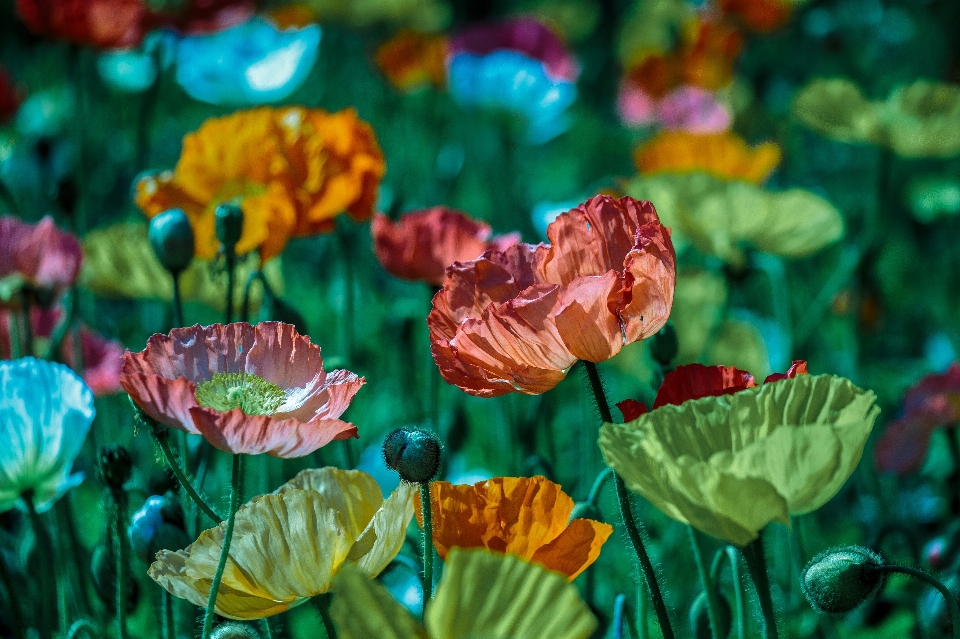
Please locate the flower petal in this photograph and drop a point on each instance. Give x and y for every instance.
(798, 367)
(235, 432)
(354, 494)
(694, 381)
(650, 277)
(574, 549)
(584, 320)
(386, 533)
(362, 608)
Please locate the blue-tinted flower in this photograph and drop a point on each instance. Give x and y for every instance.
(514, 82)
(135, 70)
(45, 414)
(252, 63)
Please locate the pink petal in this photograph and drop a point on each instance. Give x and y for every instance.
(330, 401)
(649, 282)
(168, 401)
(43, 254)
(583, 318)
(195, 352)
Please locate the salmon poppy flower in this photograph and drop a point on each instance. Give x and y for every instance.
(96, 23)
(410, 60)
(517, 320)
(291, 170)
(37, 257)
(931, 404)
(524, 516)
(246, 389)
(421, 245)
(725, 155)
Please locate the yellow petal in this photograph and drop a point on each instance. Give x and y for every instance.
(363, 609)
(384, 536)
(354, 494)
(494, 596)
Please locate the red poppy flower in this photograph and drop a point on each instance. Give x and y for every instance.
(423, 244)
(200, 16)
(516, 320)
(523, 35)
(97, 23)
(39, 256)
(9, 97)
(931, 404)
(246, 389)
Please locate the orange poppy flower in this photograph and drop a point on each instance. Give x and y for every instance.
(411, 59)
(292, 170)
(421, 245)
(724, 155)
(524, 516)
(517, 320)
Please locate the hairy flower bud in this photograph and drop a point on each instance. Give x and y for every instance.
(414, 453)
(234, 630)
(171, 238)
(229, 224)
(840, 579)
(115, 466)
(700, 617)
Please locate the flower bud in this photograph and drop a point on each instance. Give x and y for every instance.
(234, 630)
(700, 617)
(840, 579)
(115, 466)
(229, 224)
(171, 238)
(414, 453)
(158, 525)
(664, 345)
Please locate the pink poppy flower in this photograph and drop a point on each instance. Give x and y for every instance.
(635, 105)
(421, 245)
(931, 404)
(37, 256)
(693, 109)
(523, 35)
(517, 320)
(246, 389)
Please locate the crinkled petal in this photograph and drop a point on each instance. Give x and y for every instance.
(364, 609)
(584, 320)
(694, 381)
(386, 533)
(574, 549)
(354, 494)
(235, 432)
(650, 277)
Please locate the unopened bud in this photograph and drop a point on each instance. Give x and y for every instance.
(414, 453)
(115, 466)
(229, 224)
(233, 630)
(700, 617)
(840, 579)
(171, 238)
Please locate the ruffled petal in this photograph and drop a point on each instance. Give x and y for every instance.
(694, 381)
(584, 320)
(235, 432)
(650, 277)
(354, 494)
(362, 609)
(574, 549)
(386, 533)
(168, 401)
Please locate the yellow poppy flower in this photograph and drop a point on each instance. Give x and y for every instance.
(287, 546)
(291, 170)
(839, 110)
(481, 595)
(730, 465)
(411, 60)
(724, 155)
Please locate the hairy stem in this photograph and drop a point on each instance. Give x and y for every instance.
(236, 485)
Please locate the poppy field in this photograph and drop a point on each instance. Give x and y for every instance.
(510, 319)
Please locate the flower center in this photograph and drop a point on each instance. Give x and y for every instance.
(250, 393)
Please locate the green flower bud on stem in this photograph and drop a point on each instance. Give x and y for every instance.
(414, 453)
(229, 225)
(171, 238)
(840, 579)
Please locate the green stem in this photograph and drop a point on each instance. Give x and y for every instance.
(741, 611)
(267, 630)
(120, 498)
(426, 502)
(177, 301)
(598, 483)
(16, 614)
(936, 583)
(236, 483)
(642, 630)
(13, 327)
(623, 499)
(231, 276)
(256, 276)
(169, 627)
(322, 604)
(81, 557)
(756, 560)
(709, 588)
(82, 626)
(44, 550)
(26, 299)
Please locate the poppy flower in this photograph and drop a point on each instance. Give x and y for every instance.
(481, 594)
(410, 60)
(724, 155)
(422, 244)
(105, 24)
(932, 403)
(9, 97)
(923, 119)
(759, 15)
(101, 358)
(292, 170)
(246, 389)
(45, 414)
(838, 109)
(729, 465)
(524, 35)
(687, 108)
(36, 257)
(289, 545)
(191, 17)
(517, 320)
(524, 516)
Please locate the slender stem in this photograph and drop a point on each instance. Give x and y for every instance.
(598, 483)
(81, 557)
(623, 499)
(44, 549)
(756, 560)
(730, 553)
(177, 301)
(426, 502)
(169, 627)
(267, 630)
(82, 626)
(120, 498)
(13, 596)
(256, 276)
(322, 604)
(936, 583)
(231, 276)
(236, 484)
(642, 630)
(709, 589)
(13, 324)
(619, 603)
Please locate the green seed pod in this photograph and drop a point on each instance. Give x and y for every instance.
(228, 220)
(114, 466)
(171, 238)
(840, 579)
(414, 453)
(664, 345)
(234, 630)
(700, 617)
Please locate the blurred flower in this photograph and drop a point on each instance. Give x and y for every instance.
(933, 196)
(837, 109)
(100, 358)
(421, 245)
(36, 257)
(199, 16)
(524, 35)
(157, 525)
(651, 28)
(932, 403)
(524, 516)
(428, 16)
(292, 170)
(46, 113)
(249, 64)
(923, 119)
(759, 15)
(411, 60)
(289, 545)
(480, 594)
(246, 389)
(9, 97)
(97, 23)
(724, 155)
(517, 320)
(687, 108)
(730, 465)
(45, 414)
(127, 70)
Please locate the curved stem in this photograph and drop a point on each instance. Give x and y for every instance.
(757, 564)
(16, 614)
(177, 300)
(256, 276)
(267, 630)
(82, 626)
(44, 549)
(598, 483)
(236, 484)
(623, 499)
(120, 498)
(708, 584)
(426, 502)
(741, 611)
(933, 581)
(322, 604)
